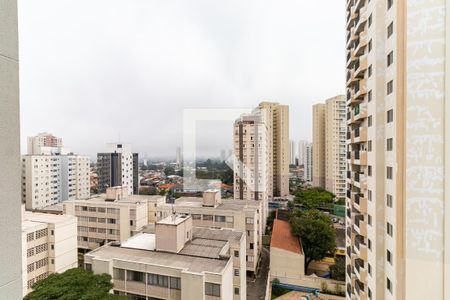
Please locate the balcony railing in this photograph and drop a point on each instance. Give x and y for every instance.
(357, 155)
(356, 176)
(356, 132)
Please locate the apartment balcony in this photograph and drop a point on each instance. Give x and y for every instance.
(359, 289)
(360, 203)
(360, 46)
(361, 66)
(359, 135)
(360, 90)
(359, 158)
(360, 271)
(360, 226)
(351, 37)
(360, 112)
(350, 76)
(360, 250)
(362, 16)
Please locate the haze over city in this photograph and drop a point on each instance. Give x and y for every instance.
(102, 71)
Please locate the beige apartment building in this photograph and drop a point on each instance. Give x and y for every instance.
(10, 221)
(278, 133)
(49, 245)
(329, 161)
(114, 216)
(398, 108)
(213, 212)
(178, 261)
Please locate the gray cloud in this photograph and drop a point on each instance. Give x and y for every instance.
(92, 71)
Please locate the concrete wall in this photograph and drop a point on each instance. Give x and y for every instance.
(286, 264)
(10, 210)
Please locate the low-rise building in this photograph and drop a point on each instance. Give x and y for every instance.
(178, 261)
(213, 212)
(49, 245)
(114, 216)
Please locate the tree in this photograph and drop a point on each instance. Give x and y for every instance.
(316, 232)
(169, 171)
(314, 198)
(74, 284)
(338, 269)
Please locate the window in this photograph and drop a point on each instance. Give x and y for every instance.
(207, 217)
(369, 71)
(111, 221)
(196, 217)
(390, 29)
(119, 274)
(370, 45)
(390, 58)
(369, 146)
(135, 276)
(236, 253)
(212, 289)
(88, 267)
(389, 200)
(369, 96)
(236, 291)
(369, 195)
(369, 170)
(389, 229)
(369, 244)
(390, 3)
(219, 218)
(92, 209)
(389, 256)
(158, 280)
(389, 285)
(389, 172)
(30, 252)
(249, 220)
(236, 272)
(369, 121)
(389, 144)
(251, 246)
(390, 87)
(390, 116)
(369, 220)
(175, 283)
(369, 294)
(369, 269)
(30, 237)
(370, 20)
(101, 210)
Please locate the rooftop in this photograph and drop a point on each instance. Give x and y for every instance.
(129, 199)
(174, 219)
(282, 237)
(227, 204)
(47, 218)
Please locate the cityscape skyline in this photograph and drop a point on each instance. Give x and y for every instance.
(260, 55)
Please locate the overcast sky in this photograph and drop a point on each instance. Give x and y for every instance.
(94, 71)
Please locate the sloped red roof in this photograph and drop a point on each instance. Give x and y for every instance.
(282, 237)
(167, 186)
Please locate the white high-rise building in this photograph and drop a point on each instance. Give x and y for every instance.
(51, 179)
(307, 161)
(292, 152)
(10, 221)
(38, 143)
(301, 151)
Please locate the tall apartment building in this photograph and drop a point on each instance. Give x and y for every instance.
(307, 161)
(118, 166)
(278, 129)
(251, 168)
(10, 223)
(35, 144)
(398, 108)
(114, 216)
(213, 212)
(292, 152)
(49, 245)
(329, 162)
(53, 178)
(178, 261)
(301, 151)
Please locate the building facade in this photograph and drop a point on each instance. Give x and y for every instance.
(118, 166)
(49, 245)
(398, 103)
(278, 133)
(308, 162)
(178, 261)
(212, 212)
(10, 222)
(292, 153)
(35, 144)
(329, 142)
(51, 179)
(114, 216)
